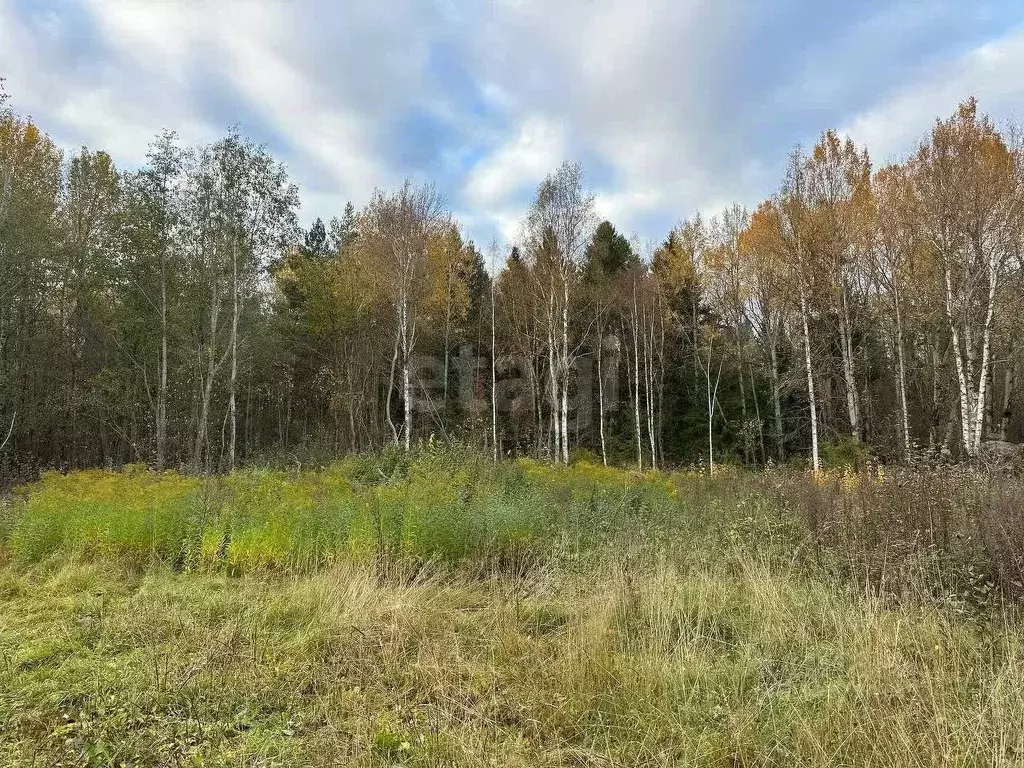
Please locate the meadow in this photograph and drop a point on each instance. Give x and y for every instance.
(440, 610)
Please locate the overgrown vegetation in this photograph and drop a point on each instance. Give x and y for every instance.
(443, 610)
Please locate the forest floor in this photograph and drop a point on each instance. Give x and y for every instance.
(712, 639)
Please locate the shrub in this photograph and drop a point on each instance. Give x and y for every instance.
(845, 452)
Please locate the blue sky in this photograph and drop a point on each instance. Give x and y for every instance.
(671, 106)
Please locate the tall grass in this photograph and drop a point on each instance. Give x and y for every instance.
(440, 610)
(645, 660)
(439, 508)
(954, 534)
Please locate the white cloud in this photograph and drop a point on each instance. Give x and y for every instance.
(993, 72)
(250, 46)
(670, 105)
(683, 105)
(536, 148)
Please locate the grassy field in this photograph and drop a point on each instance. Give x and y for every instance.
(445, 612)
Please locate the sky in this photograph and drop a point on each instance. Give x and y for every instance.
(671, 106)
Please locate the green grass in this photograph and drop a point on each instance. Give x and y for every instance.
(444, 612)
(441, 508)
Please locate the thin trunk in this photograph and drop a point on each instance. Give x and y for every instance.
(1009, 383)
(961, 374)
(556, 432)
(234, 362)
(202, 427)
(391, 389)
(849, 374)
(161, 398)
(712, 401)
(565, 369)
(986, 353)
(494, 380)
(538, 403)
(815, 461)
(407, 380)
(661, 384)
(600, 396)
(407, 394)
(780, 437)
(636, 383)
(901, 365)
(649, 384)
(743, 388)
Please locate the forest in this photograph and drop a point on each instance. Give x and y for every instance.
(177, 315)
(369, 493)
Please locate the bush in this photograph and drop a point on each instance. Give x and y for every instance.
(846, 452)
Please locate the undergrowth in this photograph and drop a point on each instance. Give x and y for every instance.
(441, 610)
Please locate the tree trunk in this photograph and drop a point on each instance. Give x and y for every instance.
(202, 427)
(234, 363)
(986, 354)
(636, 384)
(780, 436)
(815, 461)
(849, 374)
(494, 379)
(556, 432)
(1009, 382)
(902, 370)
(600, 396)
(391, 385)
(649, 385)
(743, 388)
(407, 395)
(565, 369)
(161, 397)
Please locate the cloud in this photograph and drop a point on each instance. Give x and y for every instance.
(531, 153)
(990, 72)
(671, 105)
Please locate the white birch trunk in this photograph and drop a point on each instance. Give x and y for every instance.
(986, 355)
(849, 374)
(815, 461)
(232, 414)
(161, 397)
(600, 396)
(966, 413)
(902, 370)
(494, 377)
(565, 369)
(636, 383)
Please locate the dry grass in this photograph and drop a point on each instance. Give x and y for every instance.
(643, 661)
(749, 620)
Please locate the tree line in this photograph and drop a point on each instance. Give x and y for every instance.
(176, 315)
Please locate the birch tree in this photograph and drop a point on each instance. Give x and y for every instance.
(795, 230)
(766, 307)
(837, 186)
(894, 254)
(558, 228)
(968, 189)
(396, 230)
(242, 211)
